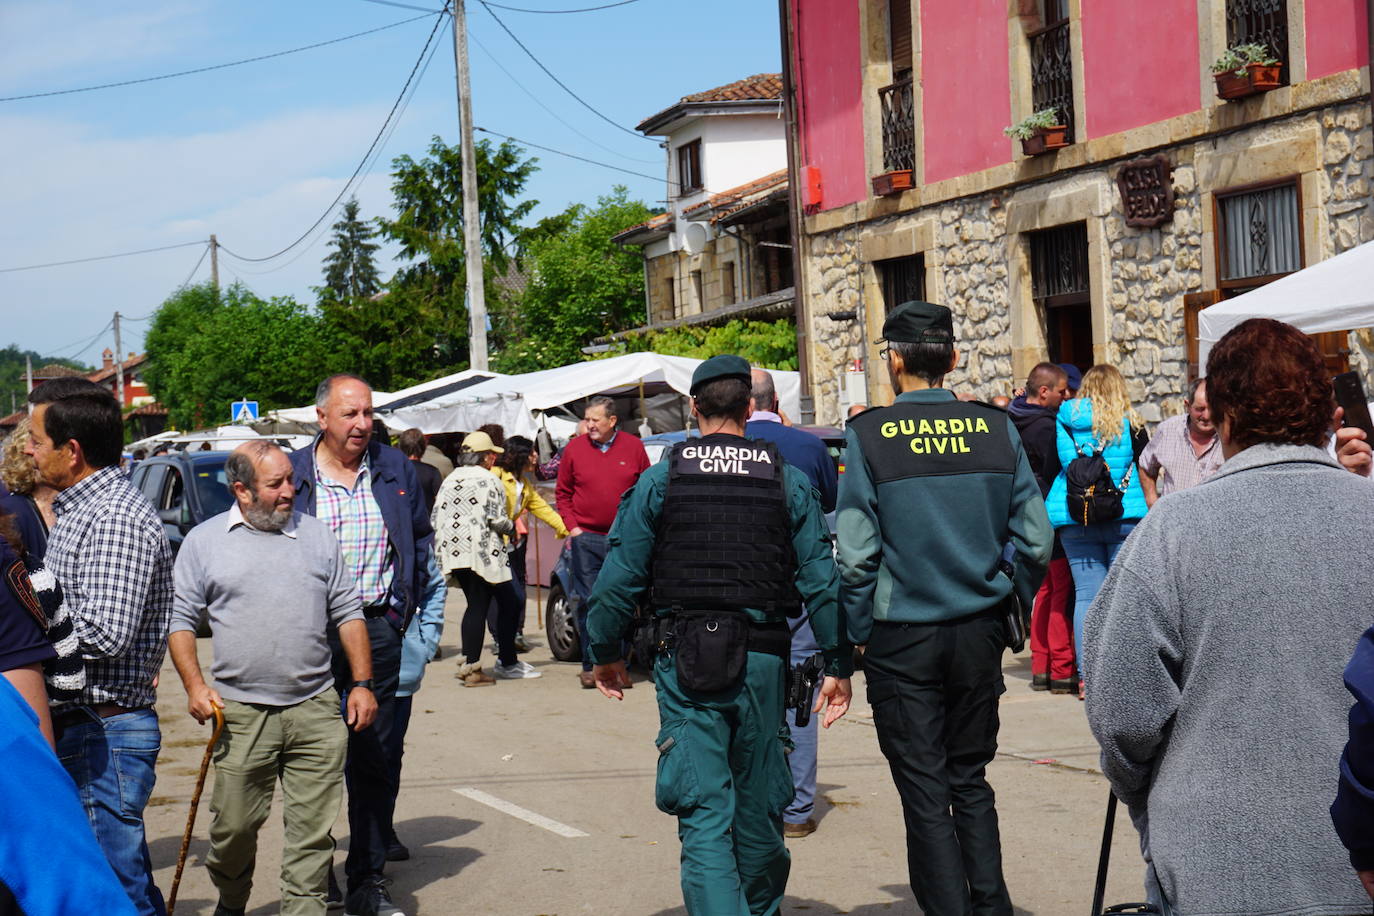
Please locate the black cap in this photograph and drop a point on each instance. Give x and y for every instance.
(719, 367)
(919, 322)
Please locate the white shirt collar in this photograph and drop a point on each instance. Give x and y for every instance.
(765, 416)
(236, 518)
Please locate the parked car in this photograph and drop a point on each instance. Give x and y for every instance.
(185, 488)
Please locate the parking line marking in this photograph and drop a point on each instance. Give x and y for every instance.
(523, 814)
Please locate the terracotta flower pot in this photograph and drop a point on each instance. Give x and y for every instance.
(1256, 79)
(1045, 140)
(894, 182)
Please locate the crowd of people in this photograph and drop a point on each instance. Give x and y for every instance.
(1198, 587)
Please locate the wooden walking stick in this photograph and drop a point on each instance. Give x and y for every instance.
(195, 806)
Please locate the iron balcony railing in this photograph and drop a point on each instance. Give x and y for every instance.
(899, 126)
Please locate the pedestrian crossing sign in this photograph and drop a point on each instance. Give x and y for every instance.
(242, 412)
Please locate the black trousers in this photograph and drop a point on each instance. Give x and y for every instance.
(480, 594)
(368, 773)
(934, 689)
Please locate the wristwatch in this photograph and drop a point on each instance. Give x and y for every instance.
(367, 683)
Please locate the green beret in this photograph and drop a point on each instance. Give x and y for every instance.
(919, 322)
(719, 367)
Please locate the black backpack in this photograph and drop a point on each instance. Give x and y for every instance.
(1092, 495)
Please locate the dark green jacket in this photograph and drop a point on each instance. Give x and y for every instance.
(624, 578)
(933, 491)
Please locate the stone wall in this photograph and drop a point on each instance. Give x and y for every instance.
(977, 267)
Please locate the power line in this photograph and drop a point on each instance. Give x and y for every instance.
(588, 9)
(366, 169)
(559, 152)
(405, 6)
(563, 85)
(233, 63)
(83, 345)
(552, 113)
(375, 140)
(102, 257)
(187, 281)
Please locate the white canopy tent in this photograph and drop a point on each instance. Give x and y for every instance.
(303, 420)
(519, 402)
(1332, 295)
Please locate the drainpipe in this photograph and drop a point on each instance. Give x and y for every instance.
(794, 214)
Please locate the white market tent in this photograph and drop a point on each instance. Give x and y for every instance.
(520, 402)
(1332, 295)
(303, 419)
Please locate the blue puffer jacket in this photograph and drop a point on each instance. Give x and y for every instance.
(1078, 416)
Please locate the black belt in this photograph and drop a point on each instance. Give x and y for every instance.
(772, 637)
(82, 715)
(373, 611)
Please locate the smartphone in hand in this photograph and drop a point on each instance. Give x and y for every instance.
(1350, 396)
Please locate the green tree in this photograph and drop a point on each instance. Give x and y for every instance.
(420, 327)
(581, 284)
(239, 345)
(350, 272)
(767, 344)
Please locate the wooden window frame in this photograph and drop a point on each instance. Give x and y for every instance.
(728, 283)
(900, 52)
(1219, 236)
(887, 278)
(689, 176)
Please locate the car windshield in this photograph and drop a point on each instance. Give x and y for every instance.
(212, 488)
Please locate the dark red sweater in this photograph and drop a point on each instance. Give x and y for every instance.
(590, 482)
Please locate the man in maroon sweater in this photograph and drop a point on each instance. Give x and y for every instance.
(595, 470)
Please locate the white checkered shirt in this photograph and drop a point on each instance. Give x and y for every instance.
(111, 557)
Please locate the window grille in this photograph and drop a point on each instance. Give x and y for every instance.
(1059, 286)
(1052, 65)
(899, 126)
(1260, 234)
(1262, 22)
(903, 279)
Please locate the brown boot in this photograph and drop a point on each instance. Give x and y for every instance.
(472, 675)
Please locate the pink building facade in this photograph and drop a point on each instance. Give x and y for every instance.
(1099, 241)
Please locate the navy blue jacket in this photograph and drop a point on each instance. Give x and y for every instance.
(1353, 810)
(805, 452)
(397, 491)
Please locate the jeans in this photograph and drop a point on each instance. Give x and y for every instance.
(934, 689)
(802, 760)
(111, 761)
(588, 553)
(396, 750)
(367, 771)
(1091, 550)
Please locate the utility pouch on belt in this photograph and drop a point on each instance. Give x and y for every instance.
(711, 649)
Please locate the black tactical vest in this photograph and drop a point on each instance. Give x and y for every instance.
(724, 533)
(934, 440)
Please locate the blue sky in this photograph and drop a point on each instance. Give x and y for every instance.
(256, 153)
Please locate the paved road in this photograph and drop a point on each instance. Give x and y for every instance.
(536, 797)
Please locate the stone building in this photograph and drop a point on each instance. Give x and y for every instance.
(722, 249)
(1156, 199)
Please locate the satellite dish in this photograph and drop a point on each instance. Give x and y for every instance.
(694, 238)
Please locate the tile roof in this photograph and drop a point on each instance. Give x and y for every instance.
(658, 221)
(13, 419)
(101, 375)
(728, 200)
(758, 86)
(153, 409)
(53, 370)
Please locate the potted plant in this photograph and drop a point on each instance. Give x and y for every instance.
(1040, 132)
(893, 182)
(1245, 70)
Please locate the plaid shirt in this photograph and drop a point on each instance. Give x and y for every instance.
(356, 520)
(111, 557)
(1171, 451)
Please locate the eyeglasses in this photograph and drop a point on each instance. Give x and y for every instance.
(883, 353)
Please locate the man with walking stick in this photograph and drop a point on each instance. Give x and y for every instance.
(272, 582)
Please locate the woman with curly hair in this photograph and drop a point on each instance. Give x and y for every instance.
(1216, 647)
(29, 499)
(1099, 420)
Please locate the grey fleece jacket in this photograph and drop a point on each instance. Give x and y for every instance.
(1213, 659)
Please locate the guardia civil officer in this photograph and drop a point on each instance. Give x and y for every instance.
(934, 489)
(727, 541)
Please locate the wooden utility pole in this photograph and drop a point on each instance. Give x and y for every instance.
(28, 372)
(119, 364)
(214, 261)
(472, 227)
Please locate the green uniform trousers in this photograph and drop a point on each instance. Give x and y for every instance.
(722, 769)
(304, 746)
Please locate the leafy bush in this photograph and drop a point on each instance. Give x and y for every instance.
(767, 344)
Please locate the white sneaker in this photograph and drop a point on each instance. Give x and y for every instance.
(518, 670)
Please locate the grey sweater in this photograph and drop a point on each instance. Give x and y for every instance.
(1213, 659)
(270, 597)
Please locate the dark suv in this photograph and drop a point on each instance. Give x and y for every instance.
(185, 488)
